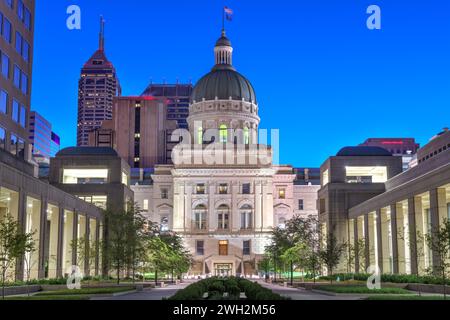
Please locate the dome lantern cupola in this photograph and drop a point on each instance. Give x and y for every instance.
(223, 51)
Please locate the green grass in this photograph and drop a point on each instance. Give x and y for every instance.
(405, 297)
(362, 290)
(87, 291)
(61, 297)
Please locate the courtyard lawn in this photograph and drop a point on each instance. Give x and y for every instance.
(361, 290)
(86, 291)
(405, 297)
(54, 297)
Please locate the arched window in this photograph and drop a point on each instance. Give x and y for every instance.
(223, 133)
(246, 217)
(223, 217)
(200, 135)
(199, 217)
(246, 136)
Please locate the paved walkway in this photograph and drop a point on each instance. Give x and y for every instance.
(150, 293)
(302, 294)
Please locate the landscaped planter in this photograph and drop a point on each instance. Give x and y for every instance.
(12, 291)
(428, 288)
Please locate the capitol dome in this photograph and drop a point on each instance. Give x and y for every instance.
(223, 82)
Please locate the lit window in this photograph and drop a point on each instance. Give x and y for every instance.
(246, 136)
(223, 133)
(145, 205)
(223, 188)
(200, 135)
(124, 178)
(85, 176)
(282, 193)
(369, 174)
(325, 178)
(200, 189)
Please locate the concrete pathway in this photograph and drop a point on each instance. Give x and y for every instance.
(302, 294)
(150, 293)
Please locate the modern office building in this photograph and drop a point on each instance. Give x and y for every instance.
(97, 87)
(44, 141)
(177, 96)
(55, 144)
(16, 60)
(137, 131)
(56, 217)
(94, 174)
(404, 147)
(366, 199)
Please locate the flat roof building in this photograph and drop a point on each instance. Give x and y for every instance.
(368, 201)
(94, 174)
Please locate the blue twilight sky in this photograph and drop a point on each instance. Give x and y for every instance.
(320, 75)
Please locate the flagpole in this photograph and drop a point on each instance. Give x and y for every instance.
(223, 19)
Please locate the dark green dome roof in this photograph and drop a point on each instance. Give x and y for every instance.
(223, 41)
(223, 82)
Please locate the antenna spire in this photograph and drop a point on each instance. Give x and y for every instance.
(101, 38)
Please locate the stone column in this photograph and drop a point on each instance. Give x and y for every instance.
(43, 231)
(178, 207)
(356, 244)
(394, 213)
(213, 221)
(99, 249)
(367, 240)
(234, 214)
(438, 207)
(412, 235)
(379, 248)
(59, 257)
(258, 213)
(267, 209)
(75, 237)
(21, 220)
(87, 237)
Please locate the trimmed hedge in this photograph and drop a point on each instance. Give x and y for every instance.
(394, 278)
(216, 287)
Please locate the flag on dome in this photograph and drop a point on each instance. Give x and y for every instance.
(228, 13)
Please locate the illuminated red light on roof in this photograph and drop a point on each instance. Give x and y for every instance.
(392, 142)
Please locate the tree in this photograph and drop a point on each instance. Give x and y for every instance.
(266, 264)
(331, 254)
(299, 240)
(439, 243)
(29, 248)
(158, 255)
(356, 252)
(126, 236)
(13, 246)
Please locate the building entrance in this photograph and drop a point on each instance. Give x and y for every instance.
(223, 269)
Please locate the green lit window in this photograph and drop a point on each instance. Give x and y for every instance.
(223, 133)
(200, 135)
(246, 136)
